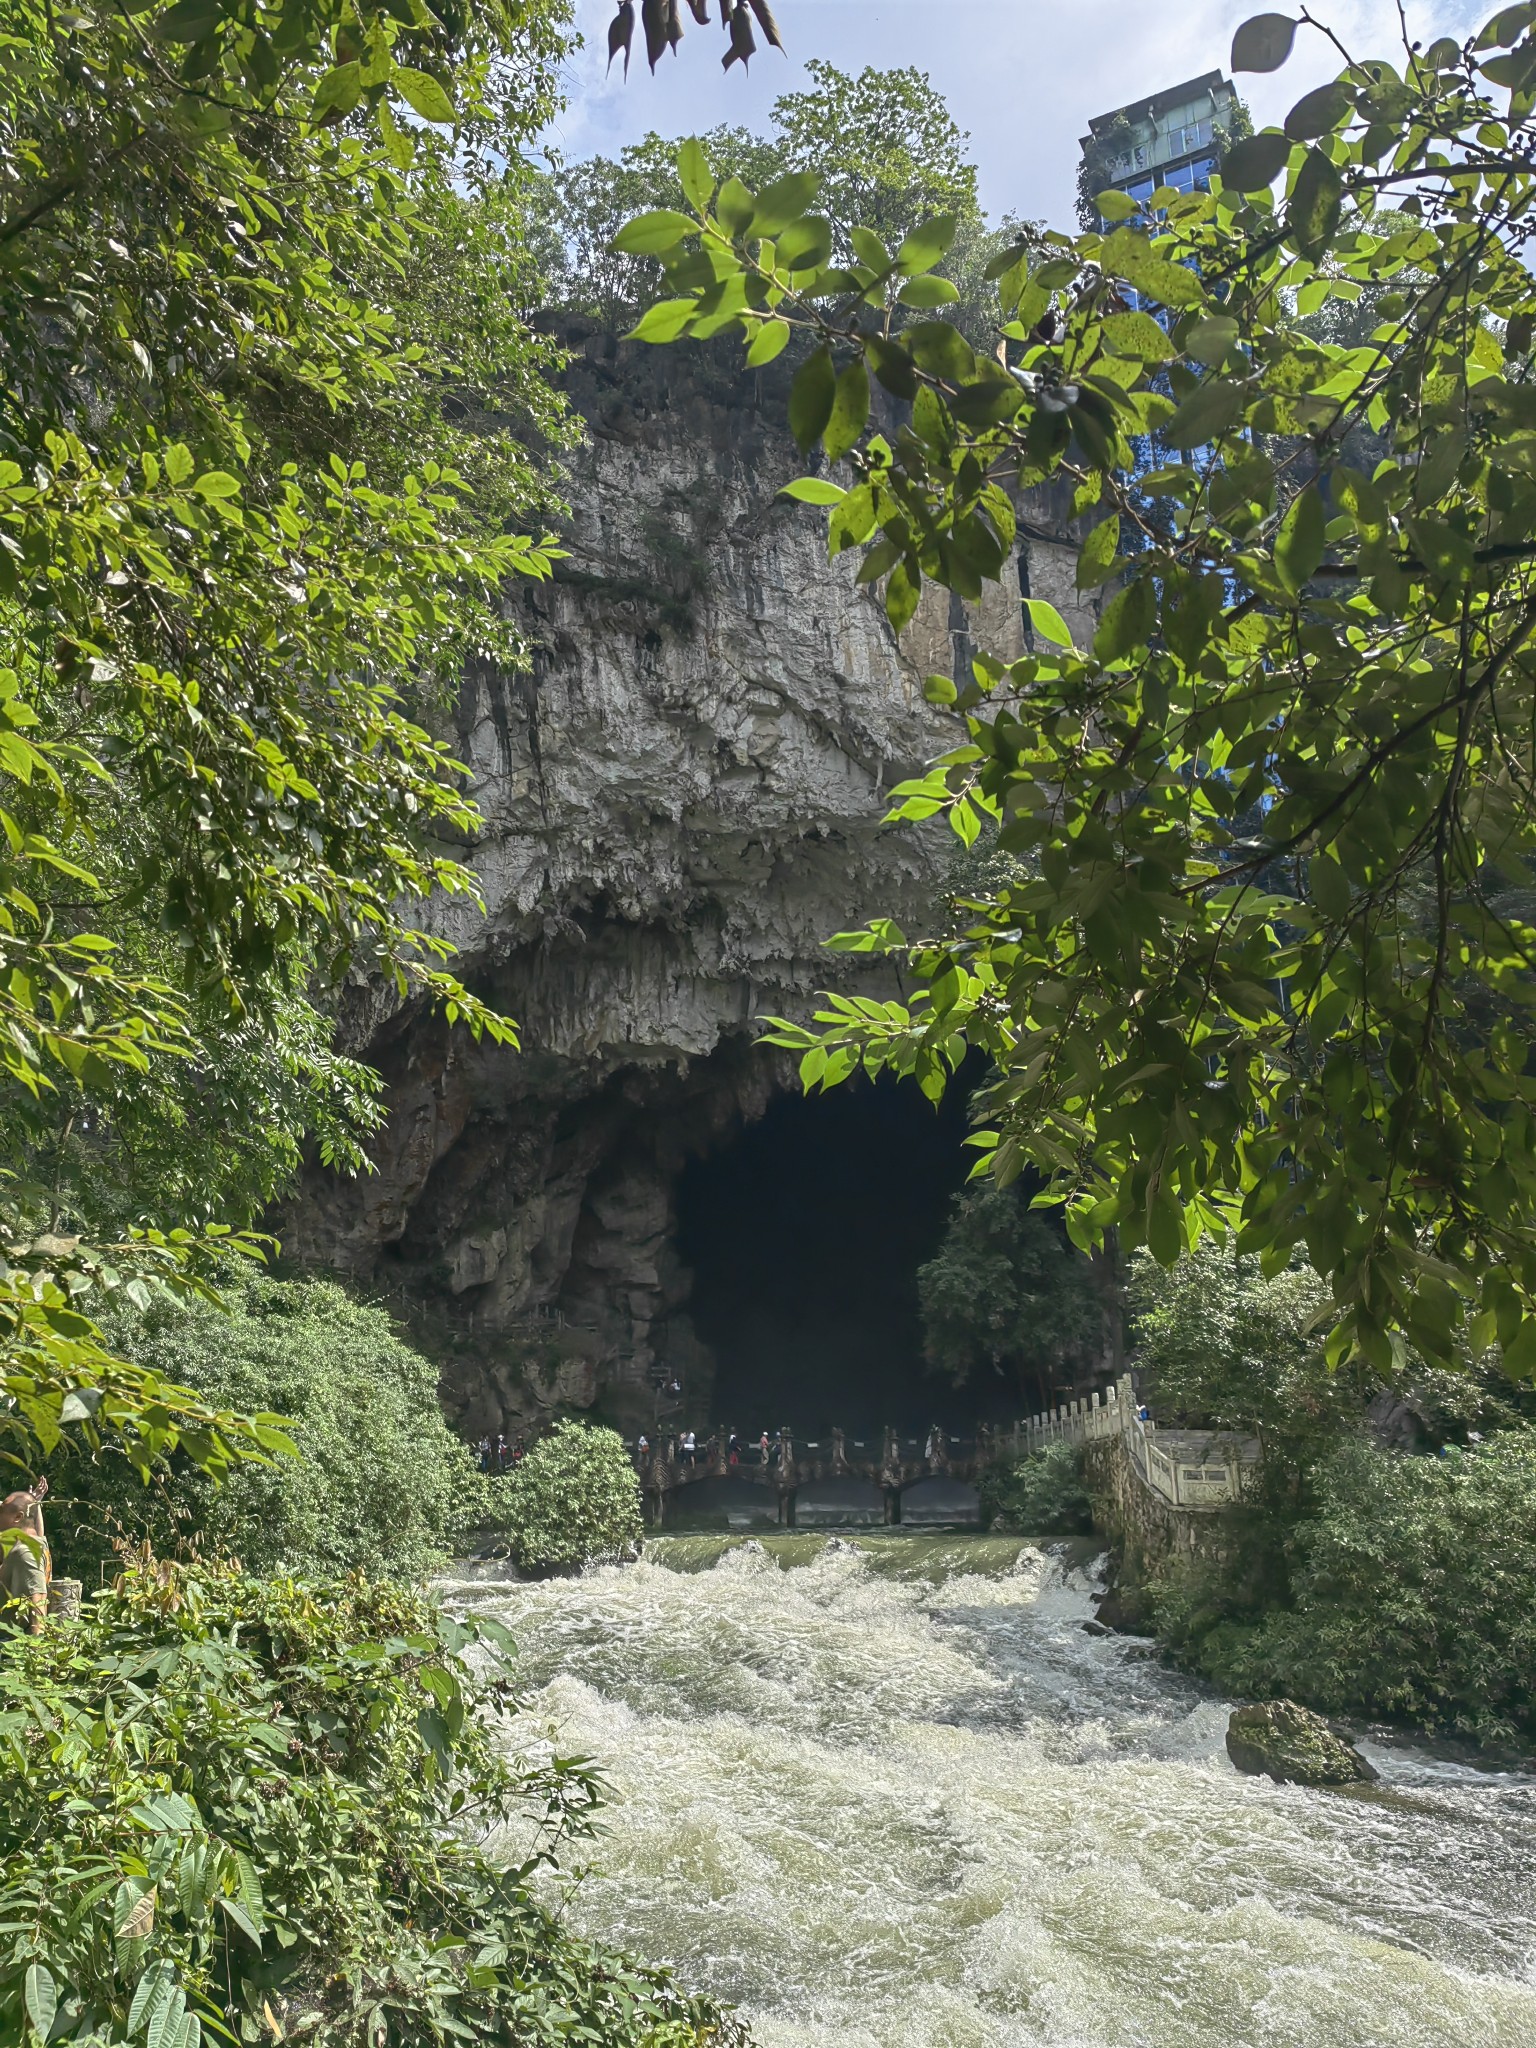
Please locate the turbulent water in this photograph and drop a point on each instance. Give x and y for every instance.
(895, 1796)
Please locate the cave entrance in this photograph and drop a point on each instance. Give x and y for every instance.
(804, 1234)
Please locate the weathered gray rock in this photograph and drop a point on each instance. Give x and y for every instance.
(1292, 1745)
(682, 800)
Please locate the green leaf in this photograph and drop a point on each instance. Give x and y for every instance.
(850, 409)
(926, 245)
(423, 94)
(1099, 558)
(1299, 543)
(1254, 163)
(648, 234)
(1129, 254)
(189, 21)
(1210, 410)
(1045, 620)
(901, 595)
(814, 490)
(694, 174)
(1320, 112)
(1212, 341)
(1128, 622)
(928, 291)
(217, 483)
(768, 342)
(1139, 336)
(782, 202)
(42, 1998)
(1263, 42)
(1328, 886)
(811, 396)
(664, 321)
(941, 350)
(805, 245)
(1316, 199)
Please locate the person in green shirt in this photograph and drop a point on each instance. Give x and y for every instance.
(23, 1564)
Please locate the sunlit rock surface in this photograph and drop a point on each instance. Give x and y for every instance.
(682, 799)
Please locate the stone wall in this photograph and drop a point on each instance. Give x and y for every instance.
(1145, 1532)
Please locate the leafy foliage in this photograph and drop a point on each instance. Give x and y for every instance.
(1042, 1495)
(380, 1479)
(1224, 1347)
(883, 147)
(253, 1810)
(572, 1501)
(1005, 1292)
(1410, 1595)
(248, 535)
(1274, 973)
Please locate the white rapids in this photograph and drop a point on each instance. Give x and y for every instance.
(897, 1797)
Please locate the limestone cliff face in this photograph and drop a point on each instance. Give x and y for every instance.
(681, 800)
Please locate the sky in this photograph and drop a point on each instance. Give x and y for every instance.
(1022, 76)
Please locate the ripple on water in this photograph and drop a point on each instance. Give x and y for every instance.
(896, 1797)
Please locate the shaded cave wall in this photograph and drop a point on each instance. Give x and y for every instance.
(681, 800)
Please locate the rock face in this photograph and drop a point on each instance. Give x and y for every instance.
(1293, 1746)
(681, 800)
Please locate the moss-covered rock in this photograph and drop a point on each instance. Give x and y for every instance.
(1293, 1746)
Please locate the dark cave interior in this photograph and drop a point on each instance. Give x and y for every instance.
(804, 1235)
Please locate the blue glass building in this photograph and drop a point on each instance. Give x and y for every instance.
(1172, 138)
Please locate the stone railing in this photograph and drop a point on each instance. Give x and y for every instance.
(1188, 1468)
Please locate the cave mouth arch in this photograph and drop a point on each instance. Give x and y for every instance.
(804, 1232)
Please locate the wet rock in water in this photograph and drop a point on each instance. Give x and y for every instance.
(1121, 1612)
(1293, 1746)
(1095, 1628)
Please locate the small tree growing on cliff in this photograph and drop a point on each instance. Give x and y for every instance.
(1005, 1293)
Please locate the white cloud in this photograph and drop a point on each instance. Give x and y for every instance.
(1022, 78)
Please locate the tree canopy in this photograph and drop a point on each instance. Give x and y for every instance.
(883, 147)
(1006, 1294)
(1273, 975)
(254, 324)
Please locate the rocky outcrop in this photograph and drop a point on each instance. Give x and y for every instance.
(1293, 1746)
(682, 799)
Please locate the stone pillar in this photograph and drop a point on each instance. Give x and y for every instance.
(892, 1506)
(787, 1507)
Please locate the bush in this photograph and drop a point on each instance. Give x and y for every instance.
(380, 1479)
(1412, 1595)
(572, 1501)
(1042, 1495)
(256, 1809)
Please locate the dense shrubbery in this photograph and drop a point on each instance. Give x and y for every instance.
(572, 1501)
(1412, 1594)
(276, 1800)
(380, 1480)
(1042, 1495)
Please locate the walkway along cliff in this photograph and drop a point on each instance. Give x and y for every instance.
(682, 799)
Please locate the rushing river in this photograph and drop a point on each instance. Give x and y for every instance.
(895, 1796)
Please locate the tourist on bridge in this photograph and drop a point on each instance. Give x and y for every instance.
(733, 1450)
(762, 1448)
(690, 1447)
(642, 1447)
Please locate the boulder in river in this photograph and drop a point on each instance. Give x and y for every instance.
(1293, 1746)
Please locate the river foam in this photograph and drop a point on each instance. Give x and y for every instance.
(897, 1797)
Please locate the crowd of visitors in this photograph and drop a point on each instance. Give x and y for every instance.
(495, 1454)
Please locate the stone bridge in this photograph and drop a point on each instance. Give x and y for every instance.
(1187, 1469)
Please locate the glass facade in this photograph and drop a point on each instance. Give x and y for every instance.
(1172, 140)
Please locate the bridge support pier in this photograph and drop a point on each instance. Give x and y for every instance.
(893, 1505)
(787, 1508)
